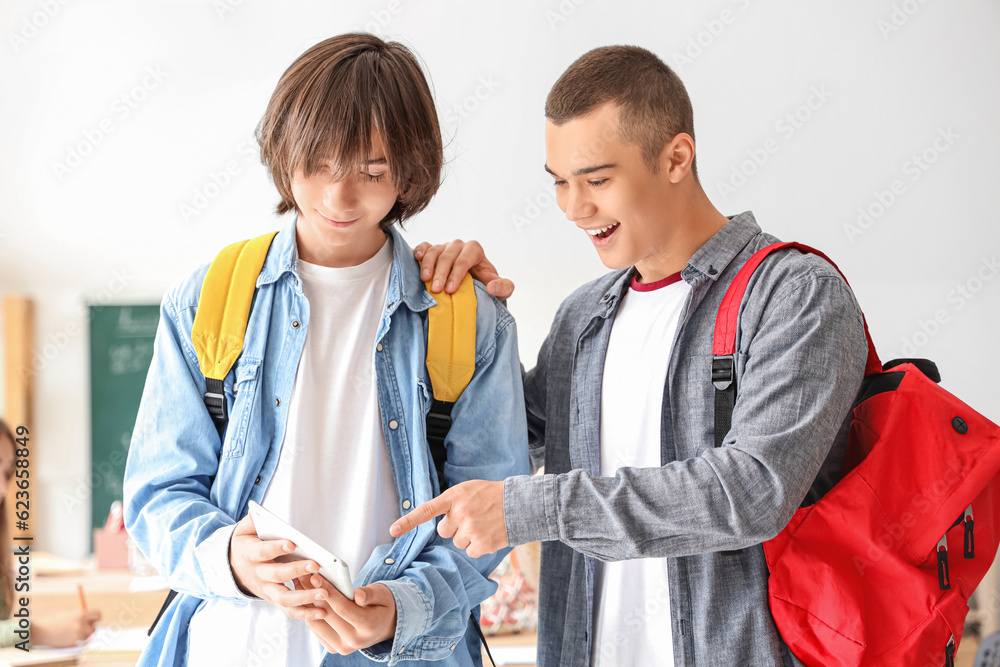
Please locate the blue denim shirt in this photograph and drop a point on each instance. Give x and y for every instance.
(800, 358)
(185, 489)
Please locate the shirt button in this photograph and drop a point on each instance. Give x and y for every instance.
(389, 561)
(379, 347)
(295, 324)
(259, 479)
(401, 650)
(277, 402)
(406, 504)
(452, 648)
(393, 424)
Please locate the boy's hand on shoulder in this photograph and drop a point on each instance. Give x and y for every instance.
(257, 573)
(350, 625)
(474, 517)
(448, 263)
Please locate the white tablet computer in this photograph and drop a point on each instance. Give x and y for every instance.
(270, 527)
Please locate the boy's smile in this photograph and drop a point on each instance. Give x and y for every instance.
(601, 236)
(339, 223)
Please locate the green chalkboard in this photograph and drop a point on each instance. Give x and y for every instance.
(121, 347)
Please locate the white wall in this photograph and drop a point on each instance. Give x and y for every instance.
(196, 77)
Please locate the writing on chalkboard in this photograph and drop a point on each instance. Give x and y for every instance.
(137, 322)
(129, 357)
(121, 349)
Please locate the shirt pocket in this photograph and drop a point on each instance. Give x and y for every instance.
(425, 395)
(242, 405)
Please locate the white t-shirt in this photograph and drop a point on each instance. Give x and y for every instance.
(333, 480)
(632, 601)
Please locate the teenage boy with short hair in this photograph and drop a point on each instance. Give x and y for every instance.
(651, 535)
(327, 402)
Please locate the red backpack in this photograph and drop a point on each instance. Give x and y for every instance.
(880, 570)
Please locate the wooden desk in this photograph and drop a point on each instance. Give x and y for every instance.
(106, 591)
(12, 657)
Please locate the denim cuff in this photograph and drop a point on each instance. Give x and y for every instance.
(414, 614)
(529, 507)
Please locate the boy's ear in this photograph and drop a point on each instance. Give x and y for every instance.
(676, 157)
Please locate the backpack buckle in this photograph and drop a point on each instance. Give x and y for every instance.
(215, 401)
(723, 371)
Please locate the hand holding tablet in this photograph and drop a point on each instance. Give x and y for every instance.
(333, 569)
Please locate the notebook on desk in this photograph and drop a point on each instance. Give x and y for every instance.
(116, 641)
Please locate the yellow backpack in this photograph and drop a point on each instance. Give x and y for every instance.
(224, 309)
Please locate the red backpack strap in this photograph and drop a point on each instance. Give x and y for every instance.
(724, 338)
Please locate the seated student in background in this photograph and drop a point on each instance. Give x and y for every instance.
(328, 402)
(59, 630)
(651, 534)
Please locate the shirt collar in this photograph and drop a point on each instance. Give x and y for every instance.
(282, 257)
(614, 293)
(404, 278)
(716, 254)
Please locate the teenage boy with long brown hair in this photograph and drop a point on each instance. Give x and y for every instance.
(651, 534)
(327, 402)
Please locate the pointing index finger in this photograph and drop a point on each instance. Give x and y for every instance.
(421, 514)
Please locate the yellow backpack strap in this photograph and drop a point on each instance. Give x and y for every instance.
(451, 341)
(223, 310)
(451, 361)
